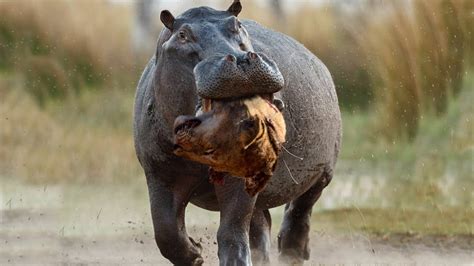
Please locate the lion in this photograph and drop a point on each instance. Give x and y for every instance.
(238, 137)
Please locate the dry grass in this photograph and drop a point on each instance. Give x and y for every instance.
(66, 50)
(323, 30)
(92, 29)
(66, 45)
(416, 51)
(40, 148)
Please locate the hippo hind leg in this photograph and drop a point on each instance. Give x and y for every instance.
(260, 226)
(293, 238)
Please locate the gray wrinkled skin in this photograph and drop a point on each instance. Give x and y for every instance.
(221, 77)
(168, 89)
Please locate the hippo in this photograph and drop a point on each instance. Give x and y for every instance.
(241, 138)
(203, 40)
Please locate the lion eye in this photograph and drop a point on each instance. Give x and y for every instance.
(209, 151)
(247, 124)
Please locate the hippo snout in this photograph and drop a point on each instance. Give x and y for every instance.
(229, 76)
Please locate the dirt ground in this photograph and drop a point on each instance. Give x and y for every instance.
(111, 225)
(35, 237)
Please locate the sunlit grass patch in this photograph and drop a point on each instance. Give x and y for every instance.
(443, 221)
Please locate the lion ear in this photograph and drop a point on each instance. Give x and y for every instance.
(167, 19)
(273, 136)
(235, 8)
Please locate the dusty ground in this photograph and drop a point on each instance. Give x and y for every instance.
(34, 237)
(111, 225)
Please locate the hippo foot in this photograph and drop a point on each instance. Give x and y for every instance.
(260, 236)
(293, 243)
(198, 260)
(234, 254)
(290, 260)
(260, 258)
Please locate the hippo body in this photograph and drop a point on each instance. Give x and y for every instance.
(305, 167)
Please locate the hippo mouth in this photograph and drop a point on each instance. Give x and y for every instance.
(220, 77)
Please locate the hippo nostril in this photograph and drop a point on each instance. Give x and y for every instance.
(252, 55)
(230, 58)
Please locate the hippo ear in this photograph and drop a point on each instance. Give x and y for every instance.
(167, 18)
(235, 8)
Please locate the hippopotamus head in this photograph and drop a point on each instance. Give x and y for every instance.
(213, 49)
(239, 137)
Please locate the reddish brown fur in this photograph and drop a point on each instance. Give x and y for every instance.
(242, 138)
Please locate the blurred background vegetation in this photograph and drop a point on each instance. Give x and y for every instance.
(403, 72)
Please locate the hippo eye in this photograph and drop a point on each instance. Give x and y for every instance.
(182, 36)
(236, 27)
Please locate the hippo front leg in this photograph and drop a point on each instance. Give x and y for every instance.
(236, 208)
(167, 211)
